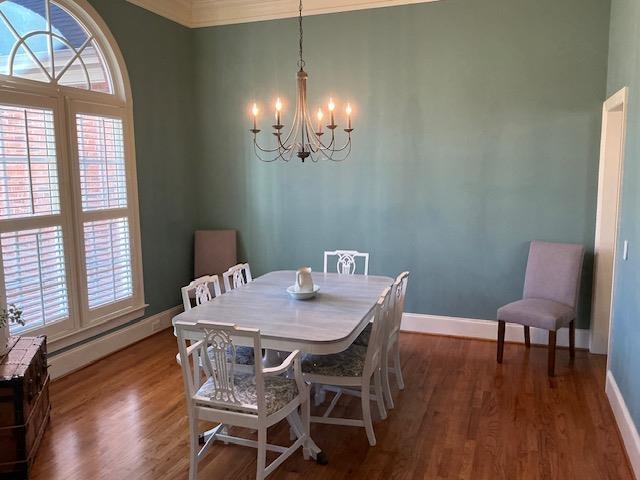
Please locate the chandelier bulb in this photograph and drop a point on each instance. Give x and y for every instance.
(278, 105)
(332, 106)
(255, 110)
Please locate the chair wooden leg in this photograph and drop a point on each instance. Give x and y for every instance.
(501, 330)
(552, 353)
(306, 423)
(195, 448)
(379, 396)
(572, 339)
(397, 367)
(527, 336)
(262, 453)
(366, 414)
(386, 387)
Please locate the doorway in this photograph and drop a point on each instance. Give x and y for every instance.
(614, 113)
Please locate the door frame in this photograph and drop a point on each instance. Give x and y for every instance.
(616, 102)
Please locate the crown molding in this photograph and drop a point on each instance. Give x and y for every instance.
(180, 11)
(209, 13)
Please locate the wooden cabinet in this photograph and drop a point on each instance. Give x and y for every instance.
(24, 405)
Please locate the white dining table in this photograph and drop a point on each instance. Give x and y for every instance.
(326, 324)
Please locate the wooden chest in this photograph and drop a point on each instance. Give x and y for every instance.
(24, 405)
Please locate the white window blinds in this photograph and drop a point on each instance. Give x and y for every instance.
(28, 170)
(102, 170)
(33, 258)
(103, 185)
(108, 259)
(34, 272)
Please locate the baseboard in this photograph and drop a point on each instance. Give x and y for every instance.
(79, 357)
(485, 329)
(628, 430)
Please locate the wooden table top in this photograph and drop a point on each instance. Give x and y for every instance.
(326, 324)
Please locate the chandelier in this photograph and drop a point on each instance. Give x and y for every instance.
(305, 137)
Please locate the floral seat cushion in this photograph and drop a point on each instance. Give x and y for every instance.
(244, 355)
(349, 363)
(278, 392)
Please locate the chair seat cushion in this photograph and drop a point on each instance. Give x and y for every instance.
(278, 392)
(244, 355)
(349, 363)
(537, 312)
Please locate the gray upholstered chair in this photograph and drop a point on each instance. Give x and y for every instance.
(550, 297)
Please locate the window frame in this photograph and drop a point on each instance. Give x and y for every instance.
(65, 103)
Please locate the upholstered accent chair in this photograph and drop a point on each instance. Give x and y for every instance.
(550, 297)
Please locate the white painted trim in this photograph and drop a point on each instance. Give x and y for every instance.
(600, 340)
(628, 429)
(71, 360)
(209, 13)
(178, 11)
(484, 329)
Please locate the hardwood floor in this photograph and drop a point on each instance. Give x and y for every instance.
(460, 416)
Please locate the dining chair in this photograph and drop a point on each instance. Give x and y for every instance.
(391, 348)
(550, 296)
(203, 290)
(346, 263)
(224, 396)
(237, 276)
(391, 339)
(352, 372)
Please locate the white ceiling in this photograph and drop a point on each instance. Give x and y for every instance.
(205, 13)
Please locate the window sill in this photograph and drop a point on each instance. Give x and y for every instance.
(104, 324)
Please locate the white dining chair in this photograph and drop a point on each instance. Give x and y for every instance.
(346, 261)
(237, 276)
(391, 348)
(254, 401)
(205, 289)
(353, 372)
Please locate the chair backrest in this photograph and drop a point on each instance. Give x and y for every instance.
(237, 276)
(201, 288)
(376, 339)
(553, 272)
(346, 261)
(217, 353)
(398, 293)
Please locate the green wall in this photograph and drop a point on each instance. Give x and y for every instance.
(477, 129)
(624, 70)
(159, 58)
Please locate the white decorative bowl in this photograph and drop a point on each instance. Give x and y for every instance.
(302, 295)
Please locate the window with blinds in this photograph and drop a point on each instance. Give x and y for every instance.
(103, 185)
(28, 168)
(108, 260)
(33, 259)
(70, 250)
(103, 177)
(34, 272)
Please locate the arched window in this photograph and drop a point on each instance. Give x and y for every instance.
(69, 226)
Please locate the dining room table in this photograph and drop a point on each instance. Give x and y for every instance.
(323, 325)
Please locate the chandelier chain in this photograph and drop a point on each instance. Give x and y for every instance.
(301, 61)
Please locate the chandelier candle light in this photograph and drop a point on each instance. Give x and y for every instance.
(304, 139)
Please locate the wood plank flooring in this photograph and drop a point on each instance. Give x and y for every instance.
(461, 416)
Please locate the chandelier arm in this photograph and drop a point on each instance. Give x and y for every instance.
(266, 160)
(292, 131)
(329, 153)
(268, 150)
(343, 157)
